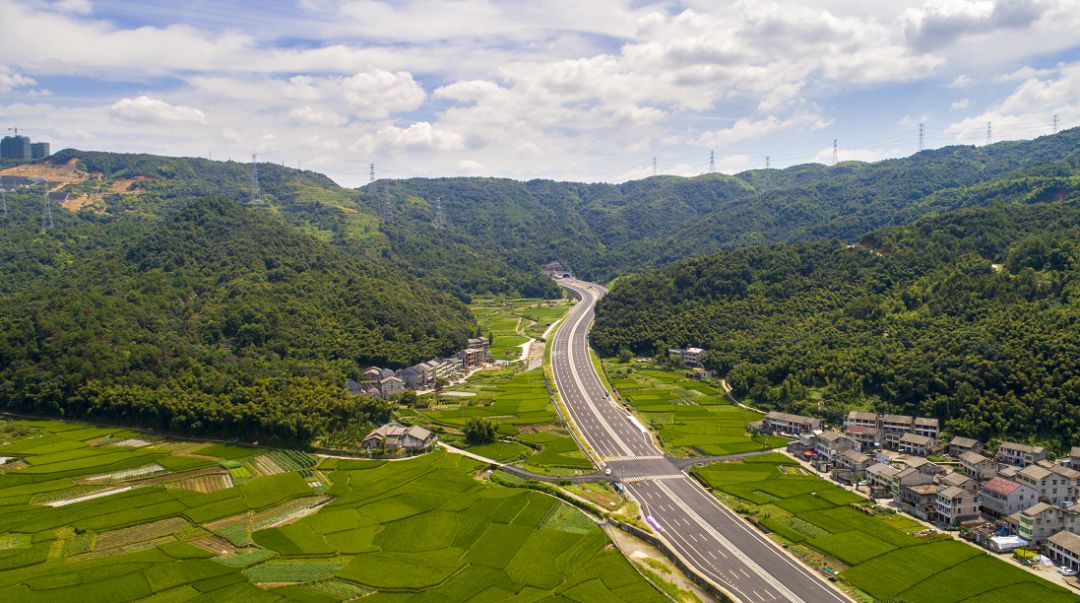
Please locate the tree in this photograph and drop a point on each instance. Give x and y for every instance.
(408, 398)
(478, 431)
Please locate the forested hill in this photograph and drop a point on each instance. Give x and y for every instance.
(214, 319)
(972, 316)
(605, 230)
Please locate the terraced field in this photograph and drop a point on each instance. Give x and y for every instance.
(691, 417)
(511, 322)
(877, 554)
(519, 405)
(423, 529)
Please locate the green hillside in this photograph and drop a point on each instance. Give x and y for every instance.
(972, 316)
(215, 319)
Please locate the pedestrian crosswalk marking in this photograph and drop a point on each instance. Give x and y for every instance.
(639, 457)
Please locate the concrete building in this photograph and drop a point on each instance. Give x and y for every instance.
(1002, 497)
(865, 438)
(894, 427)
(851, 465)
(473, 358)
(920, 500)
(1050, 486)
(918, 445)
(16, 147)
(390, 386)
(829, 444)
(39, 150)
(959, 480)
(1042, 520)
(927, 427)
(956, 505)
(1020, 455)
(392, 436)
(782, 422)
(1064, 549)
(960, 445)
(977, 466)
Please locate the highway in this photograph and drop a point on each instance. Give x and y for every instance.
(709, 537)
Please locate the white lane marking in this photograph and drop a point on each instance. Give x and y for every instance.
(741, 556)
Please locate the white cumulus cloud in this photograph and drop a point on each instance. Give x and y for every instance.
(145, 109)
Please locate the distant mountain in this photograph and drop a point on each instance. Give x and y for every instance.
(215, 318)
(972, 316)
(605, 230)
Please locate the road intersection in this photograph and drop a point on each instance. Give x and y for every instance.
(711, 539)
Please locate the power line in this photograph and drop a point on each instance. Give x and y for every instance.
(388, 211)
(438, 212)
(371, 173)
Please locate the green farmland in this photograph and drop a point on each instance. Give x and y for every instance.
(94, 514)
(691, 417)
(511, 322)
(519, 405)
(877, 554)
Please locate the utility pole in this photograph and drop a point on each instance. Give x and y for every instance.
(712, 162)
(835, 153)
(654, 166)
(922, 136)
(989, 133)
(255, 192)
(1055, 123)
(371, 173)
(46, 213)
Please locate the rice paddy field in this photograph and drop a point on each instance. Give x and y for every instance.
(518, 403)
(512, 321)
(296, 529)
(692, 418)
(879, 554)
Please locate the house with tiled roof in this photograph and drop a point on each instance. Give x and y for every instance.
(960, 445)
(918, 445)
(977, 466)
(1064, 549)
(392, 436)
(1020, 455)
(957, 505)
(1051, 487)
(1002, 497)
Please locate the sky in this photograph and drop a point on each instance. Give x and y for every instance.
(565, 89)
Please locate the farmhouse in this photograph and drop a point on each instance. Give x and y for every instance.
(926, 427)
(782, 422)
(960, 445)
(918, 445)
(1002, 497)
(1020, 455)
(1050, 486)
(893, 427)
(955, 505)
(393, 436)
(390, 386)
(1042, 520)
(977, 466)
(852, 464)
(829, 444)
(1064, 549)
(473, 358)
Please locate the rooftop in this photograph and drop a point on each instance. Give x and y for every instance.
(917, 440)
(964, 442)
(883, 469)
(1036, 472)
(1066, 540)
(1025, 448)
(926, 422)
(1038, 508)
(905, 419)
(790, 418)
(862, 415)
(1002, 486)
(952, 492)
(973, 458)
(855, 457)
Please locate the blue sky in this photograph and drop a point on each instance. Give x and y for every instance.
(525, 89)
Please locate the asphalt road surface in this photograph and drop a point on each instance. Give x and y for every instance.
(709, 537)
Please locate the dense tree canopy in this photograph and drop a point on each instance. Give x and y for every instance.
(972, 316)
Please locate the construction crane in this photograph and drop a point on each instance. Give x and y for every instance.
(16, 130)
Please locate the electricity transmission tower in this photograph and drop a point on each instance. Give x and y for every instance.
(712, 162)
(989, 133)
(654, 166)
(256, 194)
(388, 211)
(835, 153)
(438, 212)
(46, 213)
(922, 136)
(371, 173)
(1055, 123)
(767, 170)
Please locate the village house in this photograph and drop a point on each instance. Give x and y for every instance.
(374, 374)
(782, 422)
(918, 445)
(1042, 520)
(392, 436)
(919, 500)
(1020, 455)
(479, 343)
(865, 438)
(958, 480)
(391, 386)
(888, 481)
(960, 445)
(1050, 486)
(414, 377)
(829, 444)
(926, 427)
(851, 465)
(472, 358)
(1071, 476)
(977, 466)
(957, 505)
(1074, 457)
(893, 427)
(1064, 549)
(870, 420)
(1002, 497)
